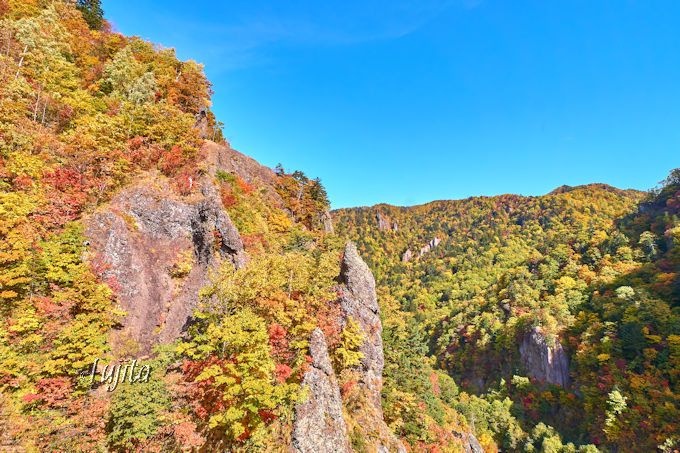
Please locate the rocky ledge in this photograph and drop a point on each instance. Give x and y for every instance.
(156, 250)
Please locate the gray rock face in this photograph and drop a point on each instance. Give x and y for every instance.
(432, 244)
(407, 256)
(210, 221)
(319, 426)
(544, 362)
(141, 238)
(202, 124)
(358, 300)
(472, 445)
(383, 221)
(327, 222)
(226, 159)
(469, 442)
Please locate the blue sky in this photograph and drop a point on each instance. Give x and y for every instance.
(408, 101)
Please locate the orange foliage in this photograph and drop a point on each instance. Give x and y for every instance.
(227, 195)
(251, 241)
(244, 186)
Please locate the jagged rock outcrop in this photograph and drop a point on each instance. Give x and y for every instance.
(385, 224)
(383, 221)
(145, 233)
(472, 445)
(225, 158)
(358, 300)
(433, 243)
(469, 442)
(542, 361)
(408, 253)
(202, 125)
(156, 249)
(327, 222)
(319, 425)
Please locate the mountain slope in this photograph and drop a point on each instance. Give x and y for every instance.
(127, 238)
(506, 294)
(132, 235)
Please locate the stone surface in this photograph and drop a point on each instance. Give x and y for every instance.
(327, 222)
(141, 237)
(211, 218)
(469, 442)
(358, 300)
(202, 124)
(383, 221)
(542, 361)
(407, 256)
(225, 158)
(433, 243)
(319, 426)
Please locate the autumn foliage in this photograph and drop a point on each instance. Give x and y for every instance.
(596, 268)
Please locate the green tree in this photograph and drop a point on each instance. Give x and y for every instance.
(92, 13)
(233, 375)
(136, 413)
(347, 354)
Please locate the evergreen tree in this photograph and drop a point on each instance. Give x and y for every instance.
(92, 13)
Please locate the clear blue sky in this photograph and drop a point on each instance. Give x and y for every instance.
(406, 101)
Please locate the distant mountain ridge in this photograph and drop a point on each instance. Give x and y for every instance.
(510, 295)
(558, 190)
(130, 230)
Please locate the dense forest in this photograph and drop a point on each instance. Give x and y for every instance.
(109, 149)
(592, 268)
(85, 112)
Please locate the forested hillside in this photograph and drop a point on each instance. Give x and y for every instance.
(132, 234)
(130, 230)
(560, 312)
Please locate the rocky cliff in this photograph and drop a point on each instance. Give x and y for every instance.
(359, 302)
(319, 423)
(431, 245)
(157, 248)
(543, 361)
(318, 428)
